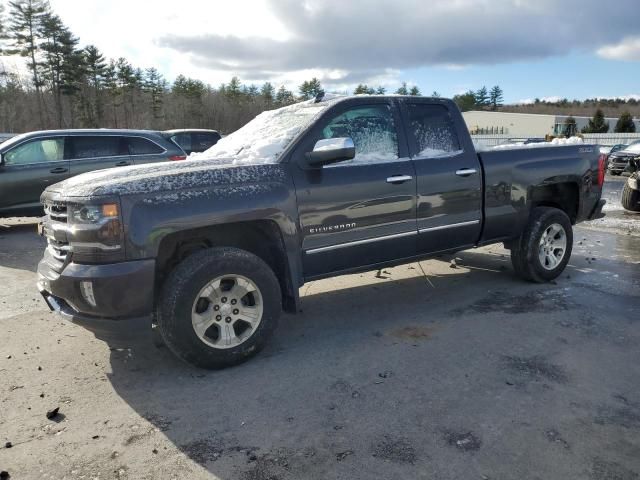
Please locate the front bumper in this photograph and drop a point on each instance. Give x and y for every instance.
(119, 292)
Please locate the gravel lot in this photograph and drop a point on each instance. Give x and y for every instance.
(454, 373)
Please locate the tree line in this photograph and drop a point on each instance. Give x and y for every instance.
(599, 124)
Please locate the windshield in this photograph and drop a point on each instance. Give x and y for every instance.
(264, 138)
(634, 147)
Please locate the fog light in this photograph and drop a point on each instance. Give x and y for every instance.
(86, 288)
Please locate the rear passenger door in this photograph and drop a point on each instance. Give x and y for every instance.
(95, 152)
(144, 150)
(449, 177)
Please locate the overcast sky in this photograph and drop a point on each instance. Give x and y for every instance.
(543, 48)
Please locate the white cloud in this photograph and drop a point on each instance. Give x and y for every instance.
(628, 49)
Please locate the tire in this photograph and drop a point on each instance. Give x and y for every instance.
(527, 250)
(630, 198)
(188, 296)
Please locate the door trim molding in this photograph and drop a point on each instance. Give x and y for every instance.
(359, 242)
(452, 225)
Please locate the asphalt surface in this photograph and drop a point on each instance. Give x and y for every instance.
(420, 372)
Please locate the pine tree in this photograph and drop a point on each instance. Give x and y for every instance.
(381, 90)
(25, 21)
(95, 66)
(482, 97)
(496, 98)
(284, 96)
(310, 89)
(466, 101)
(267, 92)
(363, 89)
(415, 91)
(403, 89)
(435, 94)
(234, 88)
(625, 124)
(597, 124)
(155, 86)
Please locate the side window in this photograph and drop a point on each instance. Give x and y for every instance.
(372, 130)
(433, 130)
(183, 140)
(36, 151)
(98, 146)
(142, 146)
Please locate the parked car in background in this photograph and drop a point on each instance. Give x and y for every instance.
(619, 160)
(31, 162)
(194, 140)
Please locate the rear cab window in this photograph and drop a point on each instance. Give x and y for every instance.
(97, 147)
(40, 150)
(432, 133)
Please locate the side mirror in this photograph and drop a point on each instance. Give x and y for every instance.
(330, 150)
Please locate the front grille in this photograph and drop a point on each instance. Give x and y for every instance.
(56, 211)
(55, 232)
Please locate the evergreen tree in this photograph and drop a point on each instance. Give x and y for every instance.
(95, 66)
(403, 89)
(234, 88)
(466, 101)
(597, 124)
(284, 96)
(415, 91)
(25, 21)
(496, 98)
(381, 90)
(435, 94)
(363, 89)
(267, 92)
(310, 89)
(625, 124)
(482, 97)
(155, 86)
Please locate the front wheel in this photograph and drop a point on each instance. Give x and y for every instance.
(219, 307)
(630, 196)
(544, 248)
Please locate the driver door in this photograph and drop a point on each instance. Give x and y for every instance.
(359, 212)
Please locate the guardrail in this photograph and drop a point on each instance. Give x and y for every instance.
(605, 139)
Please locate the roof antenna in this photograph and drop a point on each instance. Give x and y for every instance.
(319, 96)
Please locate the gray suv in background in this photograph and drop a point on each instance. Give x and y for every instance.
(31, 162)
(194, 140)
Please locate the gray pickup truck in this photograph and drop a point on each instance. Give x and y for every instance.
(212, 249)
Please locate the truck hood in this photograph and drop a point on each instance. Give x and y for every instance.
(166, 177)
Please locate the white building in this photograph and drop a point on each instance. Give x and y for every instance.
(525, 124)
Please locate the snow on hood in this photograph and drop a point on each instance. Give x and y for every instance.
(556, 142)
(165, 177)
(264, 138)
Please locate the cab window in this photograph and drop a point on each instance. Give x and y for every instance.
(372, 130)
(36, 151)
(142, 146)
(433, 131)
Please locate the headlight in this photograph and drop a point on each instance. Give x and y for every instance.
(95, 232)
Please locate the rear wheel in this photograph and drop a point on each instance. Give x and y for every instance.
(219, 307)
(544, 248)
(630, 198)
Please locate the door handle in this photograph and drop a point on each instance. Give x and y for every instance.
(465, 172)
(59, 170)
(397, 179)
(122, 164)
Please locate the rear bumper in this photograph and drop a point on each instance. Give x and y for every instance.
(597, 210)
(102, 298)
